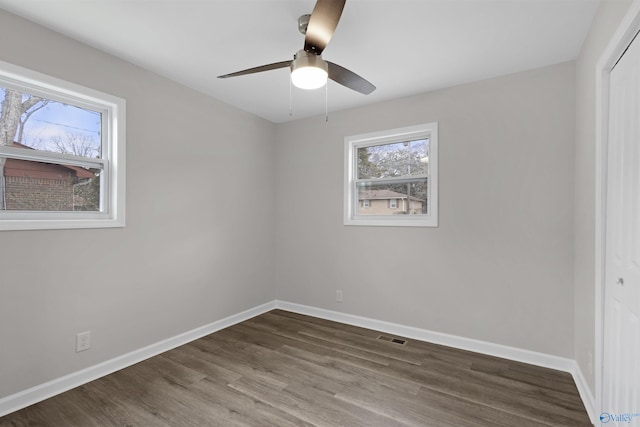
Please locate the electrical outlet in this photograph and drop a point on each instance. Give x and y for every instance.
(83, 341)
(339, 295)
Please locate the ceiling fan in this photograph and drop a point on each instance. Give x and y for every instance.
(308, 69)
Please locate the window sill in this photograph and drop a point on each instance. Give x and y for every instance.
(393, 221)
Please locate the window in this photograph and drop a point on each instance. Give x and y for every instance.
(366, 203)
(396, 171)
(62, 153)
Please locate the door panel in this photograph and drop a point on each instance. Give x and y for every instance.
(621, 370)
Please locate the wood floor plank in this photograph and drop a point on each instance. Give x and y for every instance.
(352, 374)
(314, 406)
(199, 360)
(285, 369)
(431, 408)
(499, 382)
(253, 411)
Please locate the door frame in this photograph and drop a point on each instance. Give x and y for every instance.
(621, 39)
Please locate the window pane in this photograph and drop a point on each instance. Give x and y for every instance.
(392, 160)
(392, 199)
(37, 186)
(47, 125)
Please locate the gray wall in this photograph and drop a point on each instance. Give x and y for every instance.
(604, 25)
(196, 248)
(500, 265)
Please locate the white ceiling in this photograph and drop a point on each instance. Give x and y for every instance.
(403, 47)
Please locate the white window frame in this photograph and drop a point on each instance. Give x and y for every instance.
(410, 133)
(366, 203)
(393, 203)
(111, 161)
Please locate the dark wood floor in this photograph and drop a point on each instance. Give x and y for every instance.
(284, 369)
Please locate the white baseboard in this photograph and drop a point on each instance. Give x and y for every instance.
(44, 391)
(498, 350)
(586, 394)
(492, 349)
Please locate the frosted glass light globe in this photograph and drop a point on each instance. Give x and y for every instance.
(309, 77)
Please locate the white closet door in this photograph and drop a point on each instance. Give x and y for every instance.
(621, 370)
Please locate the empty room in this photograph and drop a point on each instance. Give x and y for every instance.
(319, 213)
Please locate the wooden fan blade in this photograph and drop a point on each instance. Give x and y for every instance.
(349, 79)
(322, 24)
(259, 69)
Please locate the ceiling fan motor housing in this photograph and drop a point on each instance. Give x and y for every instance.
(302, 58)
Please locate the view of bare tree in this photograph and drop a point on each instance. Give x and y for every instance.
(78, 144)
(15, 110)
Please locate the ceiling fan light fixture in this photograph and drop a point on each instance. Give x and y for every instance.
(308, 70)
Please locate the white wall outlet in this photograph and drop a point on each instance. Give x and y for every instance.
(83, 341)
(339, 295)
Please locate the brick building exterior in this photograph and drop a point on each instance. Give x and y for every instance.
(37, 186)
(38, 194)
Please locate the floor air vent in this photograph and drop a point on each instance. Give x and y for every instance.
(393, 340)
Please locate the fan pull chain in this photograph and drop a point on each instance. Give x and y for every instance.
(326, 102)
(290, 97)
